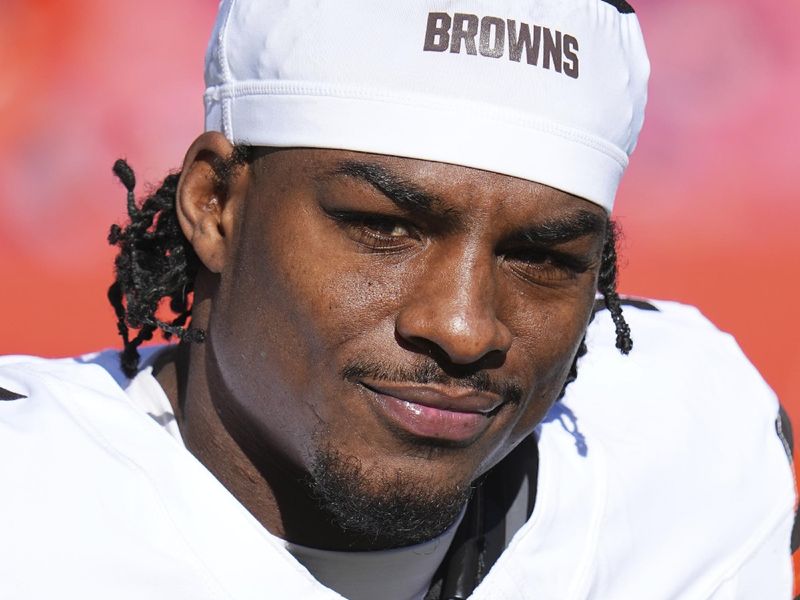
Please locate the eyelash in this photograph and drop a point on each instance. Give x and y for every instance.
(371, 230)
(545, 264)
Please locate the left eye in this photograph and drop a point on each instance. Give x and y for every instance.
(537, 265)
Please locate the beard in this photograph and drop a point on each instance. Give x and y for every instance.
(378, 510)
(381, 509)
(390, 509)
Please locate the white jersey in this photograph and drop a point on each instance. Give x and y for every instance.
(661, 476)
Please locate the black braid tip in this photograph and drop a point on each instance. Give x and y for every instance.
(124, 173)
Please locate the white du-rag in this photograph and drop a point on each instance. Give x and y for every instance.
(551, 91)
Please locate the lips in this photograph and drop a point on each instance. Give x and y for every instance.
(434, 412)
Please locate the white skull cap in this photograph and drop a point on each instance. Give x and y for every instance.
(551, 91)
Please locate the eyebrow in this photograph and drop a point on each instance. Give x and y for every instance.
(406, 196)
(410, 198)
(563, 228)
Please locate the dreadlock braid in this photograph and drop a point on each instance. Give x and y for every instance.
(607, 286)
(155, 261)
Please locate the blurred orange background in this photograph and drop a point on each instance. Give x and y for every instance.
(709, 205)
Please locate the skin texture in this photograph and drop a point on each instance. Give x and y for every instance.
(311, 268)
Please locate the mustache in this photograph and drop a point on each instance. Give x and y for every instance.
(427, 373)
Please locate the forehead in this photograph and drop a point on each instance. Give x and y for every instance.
(454, 188)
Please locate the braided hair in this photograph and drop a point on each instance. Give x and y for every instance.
(607, 286)
(156, 262)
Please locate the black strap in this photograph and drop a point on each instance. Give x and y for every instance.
(481, 537)
(620, 5)
(783, 427)
(9, 395)
(599, 304)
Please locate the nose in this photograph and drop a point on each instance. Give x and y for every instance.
(452, 312)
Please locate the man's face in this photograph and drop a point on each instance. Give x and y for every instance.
(415, 319)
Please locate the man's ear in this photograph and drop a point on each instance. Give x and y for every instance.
(204, 203)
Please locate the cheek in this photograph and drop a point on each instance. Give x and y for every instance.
(320, 297)
(288, 313)
(271, 329)
(287, 284)
(550, 333)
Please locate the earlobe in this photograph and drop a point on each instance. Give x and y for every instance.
(205, 202)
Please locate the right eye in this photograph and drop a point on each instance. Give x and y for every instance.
(377, 232)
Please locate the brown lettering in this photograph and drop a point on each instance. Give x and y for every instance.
(487, 48)
(558, 51)
(459, 33)
(437, 35)
(552, 50)
(570, 56)
(522, 39)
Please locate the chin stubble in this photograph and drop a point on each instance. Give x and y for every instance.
(381, 510)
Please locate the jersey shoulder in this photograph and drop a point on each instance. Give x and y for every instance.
(675, 348)
(30, 383)
(689, 436)
(684, 380)
(97, 369)
(45, 400)
(23, 375)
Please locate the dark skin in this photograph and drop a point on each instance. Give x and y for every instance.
(314, 259)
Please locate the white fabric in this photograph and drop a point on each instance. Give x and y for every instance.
(661, 477)
(395, 78)
(371, 575)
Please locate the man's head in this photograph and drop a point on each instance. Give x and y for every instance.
(416, 317)
(391, 312)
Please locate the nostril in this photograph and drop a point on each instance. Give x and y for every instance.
(419, 345)
(493, 359)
